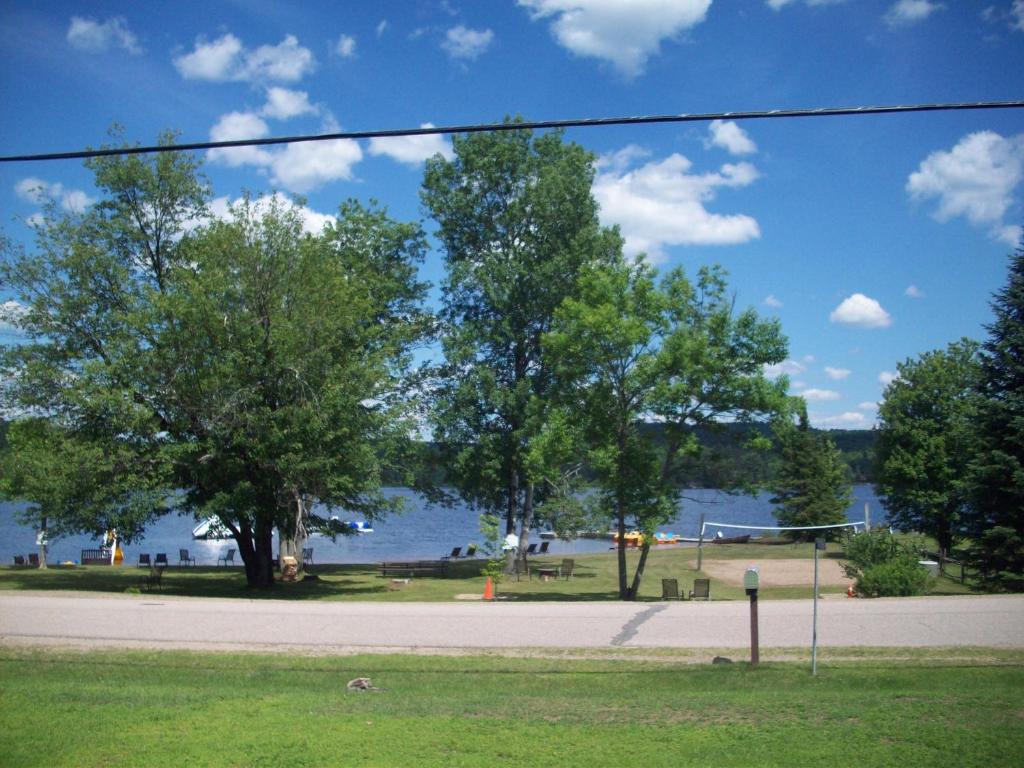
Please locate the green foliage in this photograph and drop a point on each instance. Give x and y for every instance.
(998, 554)
(812, 486)
(869, 548)
(490, 530)
(926, 439)
(883, 565)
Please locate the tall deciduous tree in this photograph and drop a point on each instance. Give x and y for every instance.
(631, 350)
(812, 485)
(926, 439)
(517, 222)
(258, 367)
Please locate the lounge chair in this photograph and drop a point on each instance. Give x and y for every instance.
(228, 559)
(33, 559)
(161, 559)
(144, 560)
(307, 556)
(566, 570)
(701, 589)
(456, 551)
(184, 557)
(669, 589)
(543, 547)
(532, 549)
(19, 559)
(154, 579)
(470, 551)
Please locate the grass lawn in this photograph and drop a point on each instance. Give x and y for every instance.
(595, 578)
(139, 709)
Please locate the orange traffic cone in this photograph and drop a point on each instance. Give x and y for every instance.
(489, 590)
(849, 591)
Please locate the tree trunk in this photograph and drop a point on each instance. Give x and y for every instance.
(510, 519)
(256, 546)
(524, 531)
(634, 590)
(621, 515)
(42, 542)
(293, 539)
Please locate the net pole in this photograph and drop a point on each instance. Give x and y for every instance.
(700, 543)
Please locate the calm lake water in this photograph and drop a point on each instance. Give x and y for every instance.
(422, 532)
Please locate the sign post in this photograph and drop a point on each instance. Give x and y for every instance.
(819, 545)
(751, 582)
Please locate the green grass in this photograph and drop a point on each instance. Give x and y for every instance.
(141, 709)
(595, 578)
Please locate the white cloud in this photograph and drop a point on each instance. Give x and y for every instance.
(382, 27)
(625, 33)
(731, 137)
(885, 378)
(836, 374)
(235, 126)
(313, 222)
(463, 43)
(1017, 15)
(787, 367)
(345, 47)
(778, 4)
(906, 12)
(309, 165)
(868, 405)
(226, 59)
(283, 104)
(662, 203)
(914, 292)
(861, 311)
(771, 301)
(38, 192)
(847, 420)
(35, 220)
(11, 312)
(819, 395)
(92, 36)
(809, 358)
(412, 150)
(976, 179)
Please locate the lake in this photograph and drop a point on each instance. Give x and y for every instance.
(422, 532)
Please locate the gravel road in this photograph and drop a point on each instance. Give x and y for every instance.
(195, 623)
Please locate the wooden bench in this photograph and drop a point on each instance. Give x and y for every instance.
(95, 557)
(414, 568)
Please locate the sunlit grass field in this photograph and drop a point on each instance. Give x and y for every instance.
(146, 708)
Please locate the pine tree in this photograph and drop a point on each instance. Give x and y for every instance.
(812, 486)
(997, 518)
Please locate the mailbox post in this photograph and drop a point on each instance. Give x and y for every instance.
(751, 583)
(819, 546)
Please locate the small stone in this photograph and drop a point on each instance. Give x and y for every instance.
(721, 660)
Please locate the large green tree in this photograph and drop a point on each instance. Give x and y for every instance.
(258, 367)
(926, 439)
(812, 484)
(631, 349)
(516, 222)
(996, 520)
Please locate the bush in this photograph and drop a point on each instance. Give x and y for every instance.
(900, 577)
(999, 557)
(869, 548)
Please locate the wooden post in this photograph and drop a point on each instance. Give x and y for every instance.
(755, 649)
(867, 517)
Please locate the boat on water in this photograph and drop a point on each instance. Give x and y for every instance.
(212, 529)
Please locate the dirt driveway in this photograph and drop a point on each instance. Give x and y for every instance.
(779, 573)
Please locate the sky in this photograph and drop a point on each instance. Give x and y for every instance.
(872, 239)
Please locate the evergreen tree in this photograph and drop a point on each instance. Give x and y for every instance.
(812, 485)
(997, 519)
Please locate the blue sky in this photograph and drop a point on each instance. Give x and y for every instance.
(873, 239)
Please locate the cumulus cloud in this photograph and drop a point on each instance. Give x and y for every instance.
(625, 33)
(861, 311)
(345, 47)
(39, 192)
(778, 4)
(819, 395)
(96, 37)
(905, 12)
(235, 126)
(463, 43)
(11, 312)
(975, 179)
(847, 420)
(663, 203)
(868, 405)
(226, 59)
(771, 301)
(1017, 15)
(885, 378)
(283, 104)
(836, 374)
(310, 165)
(787, 367)
(914, 292)
(313, 221)
(412, 150)
(731, 137)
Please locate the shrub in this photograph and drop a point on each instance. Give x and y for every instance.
(869, 548)
(900, 577)
(999, 557)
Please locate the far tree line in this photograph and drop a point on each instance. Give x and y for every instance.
(246, 369)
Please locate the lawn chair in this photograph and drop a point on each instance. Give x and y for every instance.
(566, 570)
(670, 589)
(161, 559)
(307, 556)
(144, 560)
(701, 589)
(183, 557)
(33, 559)
(543, 547)
(228, 559)
(532, 549)
(154, 579)
(456, 551)
(19, 559)
(470, 551)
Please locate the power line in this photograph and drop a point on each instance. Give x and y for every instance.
(512, 126)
